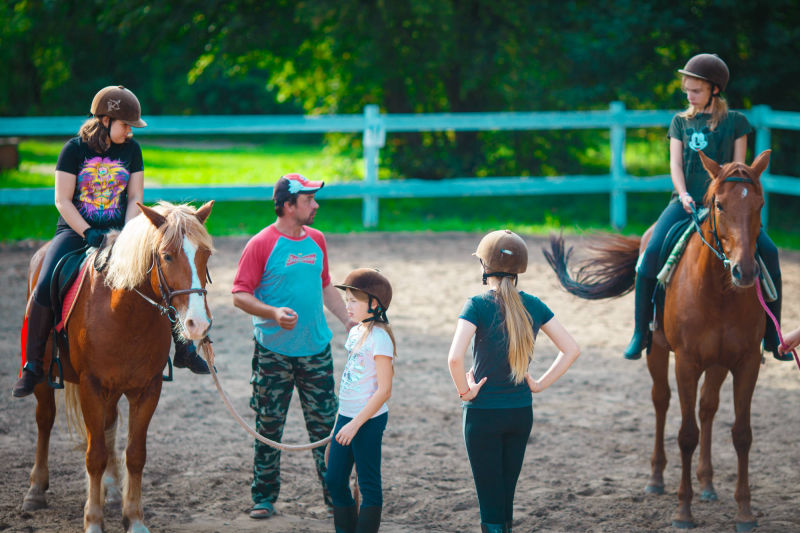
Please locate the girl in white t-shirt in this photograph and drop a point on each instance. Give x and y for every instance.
(365, 387)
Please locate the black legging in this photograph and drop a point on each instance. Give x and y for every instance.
(496, 441)
(673, 213)
(64, 241)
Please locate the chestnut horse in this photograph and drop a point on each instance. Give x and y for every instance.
(711, 319)
(119, 337)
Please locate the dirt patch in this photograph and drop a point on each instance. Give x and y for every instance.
(587, 462)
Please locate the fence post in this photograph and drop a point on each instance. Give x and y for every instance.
(618, 198)
(374, 138)
(763, 142)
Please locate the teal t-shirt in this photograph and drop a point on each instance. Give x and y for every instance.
(490, 352)
(695, 135)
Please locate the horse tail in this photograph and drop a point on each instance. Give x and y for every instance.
(73, 413)
(610, 272)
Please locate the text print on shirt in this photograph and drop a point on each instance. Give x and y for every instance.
(295, 258)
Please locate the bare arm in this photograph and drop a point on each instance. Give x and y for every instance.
(740, 149)
(65, 188)
(135, 194)
(333, 301)
(677, 175)
(790, 341)
(385, 371)
(284, 316)
(568, 353)
(464, 381)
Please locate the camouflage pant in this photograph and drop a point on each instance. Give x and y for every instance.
(274, 378)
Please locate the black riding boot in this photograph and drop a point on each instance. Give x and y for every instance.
(369, 519)
(643, 302)
(40, 323)
(186, 356)
(771, 340)
(345, 519)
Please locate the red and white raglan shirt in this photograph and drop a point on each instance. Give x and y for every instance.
(284, 271)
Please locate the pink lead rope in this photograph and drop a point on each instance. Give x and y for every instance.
(774, 320)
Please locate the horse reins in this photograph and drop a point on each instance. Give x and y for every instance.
(208, 353)
(775, 322)
(726, 262)
(166, 308)
(695, 220)
(167, 293)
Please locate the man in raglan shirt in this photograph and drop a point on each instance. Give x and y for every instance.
(283, 281)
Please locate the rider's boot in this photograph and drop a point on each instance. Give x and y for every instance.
(369, 519)
(345, 518)
(771, 340)
(643, 302)
(40, 323)
(186, 356)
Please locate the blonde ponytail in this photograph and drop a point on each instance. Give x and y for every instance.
(519, 328)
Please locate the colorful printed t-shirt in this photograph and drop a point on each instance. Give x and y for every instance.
(360, 377)
(101, 180)
(696, 136)
(284, 271)
(490, 350)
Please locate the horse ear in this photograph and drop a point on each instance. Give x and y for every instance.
(203, 212)
(709, 164)
(761, 162)
(155, 217)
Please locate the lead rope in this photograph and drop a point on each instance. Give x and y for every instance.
(774, 320)
(208, 353)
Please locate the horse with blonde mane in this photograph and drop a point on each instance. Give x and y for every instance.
(149, 279)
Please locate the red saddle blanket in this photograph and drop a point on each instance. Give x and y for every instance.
(66, 309)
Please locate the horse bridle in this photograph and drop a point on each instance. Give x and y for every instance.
(695, 220)
(167, 294)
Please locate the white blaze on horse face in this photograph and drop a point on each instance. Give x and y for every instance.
(744, 192)
(196, 321)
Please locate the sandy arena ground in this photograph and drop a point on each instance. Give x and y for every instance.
(586, 465)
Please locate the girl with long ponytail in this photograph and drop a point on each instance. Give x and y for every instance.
(496, 391)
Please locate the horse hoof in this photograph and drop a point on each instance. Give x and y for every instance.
(743, 527)
(113, 495)
(34, 502)
(654, 489)
(708, 496)
(138, 527)
(683, 524)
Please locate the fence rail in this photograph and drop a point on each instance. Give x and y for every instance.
(374, 126)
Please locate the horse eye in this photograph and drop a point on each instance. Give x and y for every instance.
(167, 257)
(718, 205)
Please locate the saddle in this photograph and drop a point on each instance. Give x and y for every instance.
(66, 283)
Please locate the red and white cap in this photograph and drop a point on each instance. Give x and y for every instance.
(290, 185)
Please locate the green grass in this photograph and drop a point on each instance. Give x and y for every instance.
(198, 162)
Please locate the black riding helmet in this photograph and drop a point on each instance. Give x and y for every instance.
(708, 67)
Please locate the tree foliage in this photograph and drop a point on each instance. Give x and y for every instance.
(407, 56)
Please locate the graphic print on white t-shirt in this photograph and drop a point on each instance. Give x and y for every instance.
(360, 378)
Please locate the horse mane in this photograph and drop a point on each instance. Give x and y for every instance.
(131, 256)
(726, 171)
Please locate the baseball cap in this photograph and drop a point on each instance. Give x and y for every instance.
(290, 185)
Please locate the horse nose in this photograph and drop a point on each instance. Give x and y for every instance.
(744, 277)
(736, 272)
(196, 327)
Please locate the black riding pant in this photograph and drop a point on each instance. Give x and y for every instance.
(64, 241)
(496, 441)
